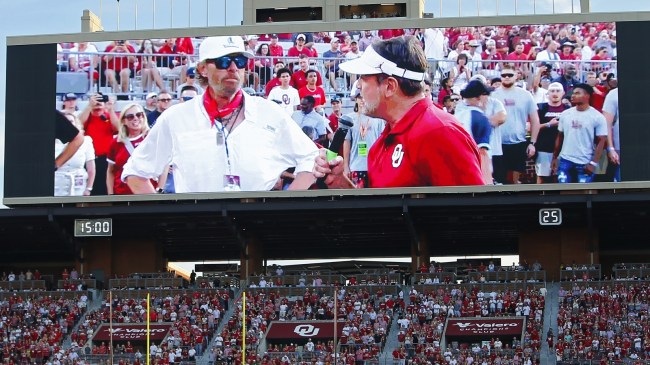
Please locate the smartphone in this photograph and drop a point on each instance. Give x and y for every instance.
(103, 98)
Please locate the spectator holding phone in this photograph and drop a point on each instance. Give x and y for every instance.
(100, 123)
(119, 67)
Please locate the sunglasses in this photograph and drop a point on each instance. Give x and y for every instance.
(454, 99)
(224, 62)
(165, 100)
(187, 98)
(507, 75)
(132, 116)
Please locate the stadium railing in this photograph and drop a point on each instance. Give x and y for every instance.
(23, 285)
(68, 81)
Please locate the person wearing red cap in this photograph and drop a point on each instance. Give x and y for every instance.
(421, 145)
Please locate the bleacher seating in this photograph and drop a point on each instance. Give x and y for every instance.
(421, 326)
(603, 321)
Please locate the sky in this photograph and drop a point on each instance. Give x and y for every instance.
(32, 17)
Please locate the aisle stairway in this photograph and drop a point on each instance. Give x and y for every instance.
(550, 321)
(93, 304)
(205, 358)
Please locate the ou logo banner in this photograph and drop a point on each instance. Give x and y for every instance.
(306, 330)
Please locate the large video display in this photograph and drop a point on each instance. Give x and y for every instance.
(489, 105)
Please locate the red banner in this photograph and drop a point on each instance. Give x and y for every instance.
(303, 330)
(132, 332)
(512, 326)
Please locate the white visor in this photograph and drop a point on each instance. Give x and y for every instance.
(372, 63)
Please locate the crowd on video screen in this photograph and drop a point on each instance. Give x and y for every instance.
(527, 104)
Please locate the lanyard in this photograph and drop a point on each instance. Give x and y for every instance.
(223, 133)
(363, 128)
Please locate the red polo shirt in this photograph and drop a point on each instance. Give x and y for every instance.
(427, 147)
(101, 131)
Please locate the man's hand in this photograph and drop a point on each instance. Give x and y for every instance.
(589, 168)
(332, 171)
(554, 166)
(530, 150)
(613, 156)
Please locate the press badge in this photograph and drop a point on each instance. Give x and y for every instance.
(220, 138)
(231, 183)
(362, 149)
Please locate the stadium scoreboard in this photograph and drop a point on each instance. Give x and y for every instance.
(550, 216)
(100, 227)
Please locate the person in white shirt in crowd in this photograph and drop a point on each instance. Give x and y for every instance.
(474, 57)
(285, 95)
(581, 139)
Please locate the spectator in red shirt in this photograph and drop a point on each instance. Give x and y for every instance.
(118, 66)
(601, 55)
(314, 90)
(298, 50)
(299, 78)
(518, 55)
(275, 49)
(100, 123)
(524, 38)
(183, 46)
(491, 55)
(502, 42)
(567, 53)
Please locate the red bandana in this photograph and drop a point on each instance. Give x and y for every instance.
(213, 110)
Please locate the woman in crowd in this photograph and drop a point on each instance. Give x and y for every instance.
(264, 63)
(77, 176)
(445, 89)
(460, 74)
(133, 129)
(147, 66)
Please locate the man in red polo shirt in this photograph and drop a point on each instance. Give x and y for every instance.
(421, 145)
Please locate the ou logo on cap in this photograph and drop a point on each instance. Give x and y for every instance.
(306, 330)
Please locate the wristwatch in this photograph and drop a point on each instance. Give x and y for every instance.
(594, 164)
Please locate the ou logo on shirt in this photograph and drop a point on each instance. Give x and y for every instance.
(306, 330)
(398, 155)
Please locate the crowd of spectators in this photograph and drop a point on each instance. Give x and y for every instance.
(422, 324)
(194, 317)
(32, 329)
(603, 322)
(365, 318)
(485, 49)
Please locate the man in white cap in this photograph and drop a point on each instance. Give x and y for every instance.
(151, 102)
(421, 145)
(225, 140)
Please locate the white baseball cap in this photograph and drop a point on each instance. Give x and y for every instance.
(372, 63)
(215, 47)
(555, 86)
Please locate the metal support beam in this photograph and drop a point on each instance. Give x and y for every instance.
(590, 230)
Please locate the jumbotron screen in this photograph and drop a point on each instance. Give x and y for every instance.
(481, 106)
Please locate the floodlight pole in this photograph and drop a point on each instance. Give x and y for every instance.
(118, 14)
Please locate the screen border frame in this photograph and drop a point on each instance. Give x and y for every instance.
(317, 26)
